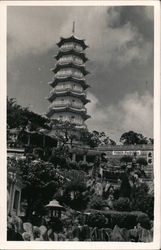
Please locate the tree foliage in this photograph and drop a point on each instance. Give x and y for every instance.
(65, 131)
(142, 161)
(132, 138)
(40, 181)
(126, 159)
(142, 200)
(18, 116)
(95, 138)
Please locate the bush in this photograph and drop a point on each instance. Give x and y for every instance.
(142, 161)
(97, 220)
(122, 204)
(142, 200)
(144, 221)
(97, 203)
(73, 165)
(85, 166)
(126, 159)
(123, 219)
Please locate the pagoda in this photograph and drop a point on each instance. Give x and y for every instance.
(68, 94)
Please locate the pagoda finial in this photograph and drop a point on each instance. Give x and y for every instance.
(73, 30)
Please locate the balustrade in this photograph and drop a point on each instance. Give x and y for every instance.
(67, 104)
(62, 89)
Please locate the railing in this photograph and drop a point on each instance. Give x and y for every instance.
(71, 60)
(67, 104)
(66, 89)
(126, 147)
(71, 46)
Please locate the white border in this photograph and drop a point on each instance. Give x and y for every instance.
(157, 174)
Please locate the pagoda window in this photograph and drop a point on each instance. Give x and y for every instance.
(72, 118)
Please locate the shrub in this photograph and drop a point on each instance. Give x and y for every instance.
(73, 165)
(142, 200)
(142, 161)
(126, 159)
(85, 166)
(122, 204)
(123, 219)
(97, 220)
(97, 203)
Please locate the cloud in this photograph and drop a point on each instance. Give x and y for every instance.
(110, 31)
(133, 112)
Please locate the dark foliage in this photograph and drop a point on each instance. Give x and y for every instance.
(132, 138)
(122, 204)
(18, 116)
(122, 219)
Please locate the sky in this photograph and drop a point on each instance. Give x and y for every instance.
(120, 53)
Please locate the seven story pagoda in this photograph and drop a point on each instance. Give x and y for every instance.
(68, 94)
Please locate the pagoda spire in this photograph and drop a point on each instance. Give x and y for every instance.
(73, 29)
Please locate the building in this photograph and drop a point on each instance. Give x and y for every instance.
(114, 153)
(68, 94)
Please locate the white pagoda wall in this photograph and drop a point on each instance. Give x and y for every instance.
(69, 59)
(69, 72)
(67, 116)
(71, 45)
(67, 100)
(68, 85)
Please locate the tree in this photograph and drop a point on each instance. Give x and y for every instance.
(95, 138)
(132, 138)
(20, 117)
(142, 200)
(41, 181)
(65, 131)
(60, 156)
(126, 159)
(125, 189)
(142, 161)
(75, 194)
(151, 141)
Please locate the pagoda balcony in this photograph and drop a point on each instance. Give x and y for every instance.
(71, 52)
(67, 105)
(64, 90)
(68, 92)
(54, 110)
(71, 46)
(70, 66)
(70, 78)
(69, 62)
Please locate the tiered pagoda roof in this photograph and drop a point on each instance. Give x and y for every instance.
(71, 52)
(68, 92)
(72, 39)
(82, 111)
(70, 65)
(81, 81)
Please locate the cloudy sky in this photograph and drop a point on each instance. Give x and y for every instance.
(120, 62)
